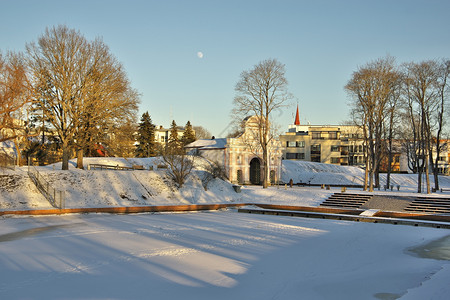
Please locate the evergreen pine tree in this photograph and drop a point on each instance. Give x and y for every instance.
(188, 135)
(173, 141)
(146, 146)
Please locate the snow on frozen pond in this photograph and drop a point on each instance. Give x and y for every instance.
(215, 255)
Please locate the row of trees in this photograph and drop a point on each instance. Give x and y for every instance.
(74, 86)
(147, 146)
(67, 94)
(406, 103)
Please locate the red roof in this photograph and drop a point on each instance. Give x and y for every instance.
(297, 118)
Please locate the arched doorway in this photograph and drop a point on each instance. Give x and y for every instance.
(255, 171)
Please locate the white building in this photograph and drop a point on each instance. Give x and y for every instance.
(241, 157)
(162, 134)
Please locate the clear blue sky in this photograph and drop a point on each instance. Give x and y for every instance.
(321, 43)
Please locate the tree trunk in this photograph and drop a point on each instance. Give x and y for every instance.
(366, 178)
(366, 172)
(80, 159)
(389, 167)
(266, 168)
(427, 173)
(377, 176)
(65, 156)
(16, 145)
(436, 179)
(371, 171)
(435, 166)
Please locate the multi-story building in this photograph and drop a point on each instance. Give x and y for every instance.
(342, 144)
(162, 134)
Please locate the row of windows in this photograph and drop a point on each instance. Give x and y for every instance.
(334, 148)
(355, 148)
(334, 160)
(297, 144)
(321, 135)
(295, 155)
(356, 136)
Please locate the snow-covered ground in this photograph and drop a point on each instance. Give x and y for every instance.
(100, 188)
(216, 255)
(209, 255)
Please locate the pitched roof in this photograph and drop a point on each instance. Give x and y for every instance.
(208, 144)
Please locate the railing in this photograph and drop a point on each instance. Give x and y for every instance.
(55, 197)
(114, 167)
(7, 161)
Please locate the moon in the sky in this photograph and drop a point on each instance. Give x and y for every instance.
(200, 54)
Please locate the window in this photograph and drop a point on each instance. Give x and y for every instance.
(291, 144)
(297, 144)
(332, 135)
(316, 135)
(335, 148)
(315, 148)
(295, 155)
(239, 176)
(300, 144)
(335, 160)
(272, 176)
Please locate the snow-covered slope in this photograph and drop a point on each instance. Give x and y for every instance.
(100, 188)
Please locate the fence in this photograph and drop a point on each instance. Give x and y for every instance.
(7, 161)
(55, 197)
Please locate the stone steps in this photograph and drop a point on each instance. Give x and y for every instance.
(346, 200)
(430, 205)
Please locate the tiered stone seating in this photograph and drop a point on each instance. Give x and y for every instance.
(346, 200)
(430, 205)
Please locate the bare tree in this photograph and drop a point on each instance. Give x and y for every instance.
(443, 87)
(179, 164)
(79, 86)
(201, 132)
(108, 100)
(422, 99)
(15, 97)
(58, 63)
(259, 92)
(120, 140)
(213, 170)
(372, 88)
(392, 122)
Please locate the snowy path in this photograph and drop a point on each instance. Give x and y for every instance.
(214, 255)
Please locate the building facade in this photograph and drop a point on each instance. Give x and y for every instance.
(341, 145)
(344, 145)
(241, 157)
(162, 134)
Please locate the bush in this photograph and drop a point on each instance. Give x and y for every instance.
(212, 171)
(179, 164)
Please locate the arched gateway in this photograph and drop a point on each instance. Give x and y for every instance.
(255, 171)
